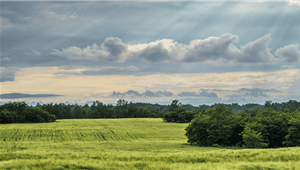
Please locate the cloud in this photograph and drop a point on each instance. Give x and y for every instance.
(254, 92)
(21, 95)
(293, 2)
(104, 70)
(289, 53)
(5, 24)
(256, 51)
(112, 50)
(7, 74)
(258, 90)
(5, 59)
(202, 94)
(212, 48)
(61, 17)
(166, 50)
(33, 52)
(148, 93)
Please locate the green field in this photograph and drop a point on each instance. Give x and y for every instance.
(125, 144)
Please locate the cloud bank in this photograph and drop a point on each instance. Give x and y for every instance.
(21, 95)
(166, 50)
(202, 94)
(148, 93)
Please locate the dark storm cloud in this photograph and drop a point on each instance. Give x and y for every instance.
(148, 93)
(202, 94)
(21, 95)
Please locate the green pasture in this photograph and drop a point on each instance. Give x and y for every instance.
(125, 144)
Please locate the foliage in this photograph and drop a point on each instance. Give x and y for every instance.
(252, 136)
(179, 115)
(20, 112)
(249, 128)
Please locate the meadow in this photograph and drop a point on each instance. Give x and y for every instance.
(141, 143)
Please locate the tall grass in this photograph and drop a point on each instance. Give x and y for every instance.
(125, 144)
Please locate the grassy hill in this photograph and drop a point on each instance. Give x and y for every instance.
(125, 144)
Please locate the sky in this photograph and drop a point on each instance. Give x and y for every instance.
(199, 52)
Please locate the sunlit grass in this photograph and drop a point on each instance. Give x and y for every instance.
(125, 144)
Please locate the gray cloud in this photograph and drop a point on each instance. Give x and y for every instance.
(21, 95)
(112, 50)
(105, 70)
(148, 93)
(257, 94)
(254, 92)
(258, 90)
(7, 74)
(256, 52)
(154, 53)
(289, 53)
(202, 94)
(209, 49)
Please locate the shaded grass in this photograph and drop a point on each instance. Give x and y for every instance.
(125, 144)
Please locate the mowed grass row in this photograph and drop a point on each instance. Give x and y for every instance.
(125, 144)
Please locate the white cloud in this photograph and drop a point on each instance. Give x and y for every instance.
(293, 2)
(166, 50)
(112, 49)
(5, 24)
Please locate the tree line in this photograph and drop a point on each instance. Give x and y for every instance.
(249, 128)
(174, 112)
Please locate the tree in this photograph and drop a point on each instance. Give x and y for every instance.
(215, 126)
(293, 136)
(252, 136)
(174, 105)
(121, 109)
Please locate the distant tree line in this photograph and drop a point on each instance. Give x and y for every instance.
(175, 112)
(248, 128)
(22, 113)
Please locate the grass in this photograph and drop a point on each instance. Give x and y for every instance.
(126, 144)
